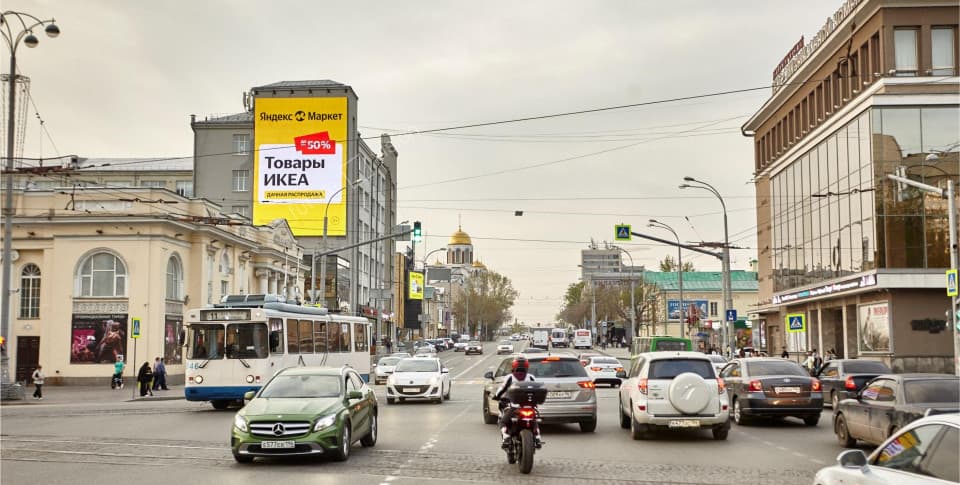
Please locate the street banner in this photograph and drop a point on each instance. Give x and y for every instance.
(98, 339)
(416, 286)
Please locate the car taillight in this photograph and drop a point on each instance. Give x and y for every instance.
(721, 386)
(596, 369)
(756, 386)
(526, 413)
(619, 369)
(587, 384)
(642, 385)
(815, 385)
(850, 384)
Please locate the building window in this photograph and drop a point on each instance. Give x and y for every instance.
(224, 288)
(713, 308)
(241, 180)
(185, 188)
(241, 144)
(120, 183)
(30, 291)
(241, 210)
(102, 274)
(153, 184)
(174, 279)
(942, 46)
(905, 51)
(225, 266)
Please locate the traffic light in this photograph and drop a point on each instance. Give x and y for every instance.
(417, 232)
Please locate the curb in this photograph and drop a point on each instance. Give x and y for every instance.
(156, 398)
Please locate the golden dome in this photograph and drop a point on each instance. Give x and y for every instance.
(478, 264)
(460, 237)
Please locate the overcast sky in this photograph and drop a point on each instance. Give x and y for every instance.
(124, 77)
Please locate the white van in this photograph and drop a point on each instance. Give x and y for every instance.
(559, 338)
(582, 338)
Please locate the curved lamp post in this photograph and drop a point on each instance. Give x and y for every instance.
(656, 223)
(323, 262)
(15, 28)
(727, 287)
(633, 310)
(423, 308)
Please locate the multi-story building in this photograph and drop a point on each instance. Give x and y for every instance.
(849, 259)
(173, 174)
(88, 261)
(224, 145)
(596, 260)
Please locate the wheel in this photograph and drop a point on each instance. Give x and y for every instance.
(624, 420)
(487, 417)
(391, 400)
(843, 433)
(371, 438)
(446, 396)
(343, 451)
(220, 404)
(527, 446)
(811, 420)
(738, 416)
(402, 399)
(834, 400)
(720, 432)
(588, 426)
(242, 458)
(637, 431)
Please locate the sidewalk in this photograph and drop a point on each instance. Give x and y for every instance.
(92, 394)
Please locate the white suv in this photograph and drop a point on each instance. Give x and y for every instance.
(673, 390)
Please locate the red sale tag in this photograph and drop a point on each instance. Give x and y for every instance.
(315, 144)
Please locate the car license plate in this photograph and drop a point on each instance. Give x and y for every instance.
(787, 390)
(277, 444)
(559, 395)
(411, 389)
(684, 423)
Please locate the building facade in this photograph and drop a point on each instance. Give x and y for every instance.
(173, 174)
(855, 260)
(90, 261)
(224, 145)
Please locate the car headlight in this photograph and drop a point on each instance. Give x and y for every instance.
(390, 379)
(325, 422)
(240, 423)
(434, 381)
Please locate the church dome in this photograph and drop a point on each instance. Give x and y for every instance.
(460, 237)
(478, 264)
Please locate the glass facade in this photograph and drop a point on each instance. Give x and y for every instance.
(835, 213)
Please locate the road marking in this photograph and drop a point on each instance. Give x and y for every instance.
(798, 454)
(468, 369)
(114, 443)
(782, 448)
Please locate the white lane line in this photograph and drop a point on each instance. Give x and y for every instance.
(22, 440)
(818, 462)
(782, 448)
(468, 369)
(799, 455)
(112, 455)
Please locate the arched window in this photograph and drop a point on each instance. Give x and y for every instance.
(174, 279)
(30, 291)
(102, 274)
(225, 262)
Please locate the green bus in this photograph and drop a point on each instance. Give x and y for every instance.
(659, 343)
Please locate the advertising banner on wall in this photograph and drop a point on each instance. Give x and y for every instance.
(172, 326)
(873, 328)
(416, 286)
(98, 339)
(695, 308)
(300, 162)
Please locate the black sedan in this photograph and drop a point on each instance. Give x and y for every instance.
(843, 378)
(771, 387)
(889, 402)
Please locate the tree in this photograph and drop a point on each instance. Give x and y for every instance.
(489, 296)
(668, 264)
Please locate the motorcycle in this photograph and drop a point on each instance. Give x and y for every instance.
(524, 423)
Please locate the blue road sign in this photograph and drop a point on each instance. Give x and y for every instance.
(622, 232)
(796, 322)
(951, 282)
(136, 328)
(732, 315)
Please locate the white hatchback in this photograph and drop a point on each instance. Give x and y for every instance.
(505, 347)
(605, 370)
(673, 390)
(419, 378)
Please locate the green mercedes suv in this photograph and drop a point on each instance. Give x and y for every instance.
(305, 411)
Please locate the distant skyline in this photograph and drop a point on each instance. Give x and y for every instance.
(124, 77)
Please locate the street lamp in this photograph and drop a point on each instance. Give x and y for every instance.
(633, 311)
(423, 308)
(656, 223)
(323, 262)
(726, 285)
(13, 38)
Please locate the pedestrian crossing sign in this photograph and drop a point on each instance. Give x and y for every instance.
(796, 322)
(951, 282)
(622, 232)
(136, 328)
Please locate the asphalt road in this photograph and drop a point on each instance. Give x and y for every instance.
(180, 442)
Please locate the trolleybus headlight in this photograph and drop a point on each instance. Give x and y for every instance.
(240, 423)
(325, 422)
(198, 379)
(250, 379)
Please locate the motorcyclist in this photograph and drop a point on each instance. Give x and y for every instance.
(519, 373)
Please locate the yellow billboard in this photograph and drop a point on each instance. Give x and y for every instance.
(300, 162)
(416, 286)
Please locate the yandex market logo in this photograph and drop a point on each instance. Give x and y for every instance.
(315, 144)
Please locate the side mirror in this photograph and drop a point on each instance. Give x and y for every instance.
(488, 375)
(445, 370)
(249, 395)
(354, 395)
(852, 459)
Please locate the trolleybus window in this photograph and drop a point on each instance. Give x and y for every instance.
(246, 341)
(293, 340)
(320, 337)
(360, 341)
(207, 341)
(306, 336)
(276, 336)
(338, 337)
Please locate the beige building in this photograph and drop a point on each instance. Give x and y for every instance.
(90, 263)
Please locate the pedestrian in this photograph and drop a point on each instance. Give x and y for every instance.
(810, 362)
(144, 376)
(389, 345)
(785, 354)
(831, 354)
(817, 362)
(159, 375)
(38, 376)
(117, 381)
